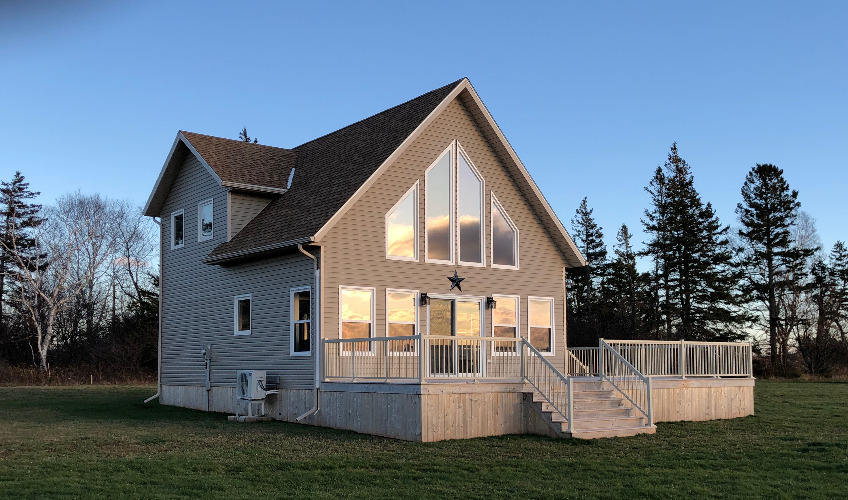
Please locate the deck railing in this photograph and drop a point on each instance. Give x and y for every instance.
(685, 358)
(626, 379)
(549, 382)
(396, 358)
(583, 361)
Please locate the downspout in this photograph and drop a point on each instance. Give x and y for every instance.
(316, 333)
(159, 355)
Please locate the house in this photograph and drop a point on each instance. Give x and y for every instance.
(402, 276)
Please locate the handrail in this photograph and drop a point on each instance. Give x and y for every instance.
(626, 379)
(555, 388)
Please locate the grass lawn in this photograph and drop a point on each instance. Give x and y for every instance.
(102, 442)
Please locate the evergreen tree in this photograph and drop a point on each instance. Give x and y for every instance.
(623, 287)
(246, 138)
(768, 212)
(693, 281)
(20, 216)
(590, 240)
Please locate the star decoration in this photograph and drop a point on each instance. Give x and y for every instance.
(455, 281)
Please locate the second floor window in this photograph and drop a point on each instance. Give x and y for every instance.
(204, 220)
(177, 229)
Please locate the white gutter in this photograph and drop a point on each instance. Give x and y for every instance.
(316, 332)
(159, 356)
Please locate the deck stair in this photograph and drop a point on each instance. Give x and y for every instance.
(599, 411)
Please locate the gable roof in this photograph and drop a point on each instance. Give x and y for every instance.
(233, 164)
(332, 172)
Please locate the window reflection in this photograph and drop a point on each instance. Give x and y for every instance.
(401, 227)
(503, 238)
(470, 196)
(438, 201)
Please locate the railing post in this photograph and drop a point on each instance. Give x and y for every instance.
(353, 360)
(386, 358)
(421, 350)
(682, 367)
(601, 358)
(523, 360)
(750, 360)
(650, 402)
(570, 414)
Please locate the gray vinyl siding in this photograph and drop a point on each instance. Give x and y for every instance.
(354, 249)
(198, 298)
(243, 208)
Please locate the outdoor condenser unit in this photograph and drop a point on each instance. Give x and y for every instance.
(250, 385)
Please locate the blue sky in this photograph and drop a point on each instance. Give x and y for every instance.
(590, 94)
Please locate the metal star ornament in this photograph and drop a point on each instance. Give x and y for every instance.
(455, 281)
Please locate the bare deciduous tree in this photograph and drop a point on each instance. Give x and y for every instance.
(79, 236)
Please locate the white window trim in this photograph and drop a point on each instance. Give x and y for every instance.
(372, 322)
(451, 149)
(414, 189)
(550, 300)
(414, 322)
(174, 215)
(293, 321)
(517, 325)
(236, 299)
(511, 224)
(461, 151)
(200, 205)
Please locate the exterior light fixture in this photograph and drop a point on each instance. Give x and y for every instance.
(491, 303)
(424, 299)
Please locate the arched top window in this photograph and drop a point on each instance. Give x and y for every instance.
(402, 227)
(504, 238)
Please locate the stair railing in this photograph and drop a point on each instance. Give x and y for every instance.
(627, 380)
(555, 388)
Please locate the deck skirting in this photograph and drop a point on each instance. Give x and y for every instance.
(439, 411)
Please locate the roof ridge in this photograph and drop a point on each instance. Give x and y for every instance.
(452, 84)
(237, 141)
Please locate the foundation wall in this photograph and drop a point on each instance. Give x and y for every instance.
(435, 412)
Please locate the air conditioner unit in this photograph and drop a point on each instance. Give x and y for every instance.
(250, 385)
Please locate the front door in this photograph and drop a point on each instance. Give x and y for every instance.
(457, 318)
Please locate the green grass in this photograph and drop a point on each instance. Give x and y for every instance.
(102, 442)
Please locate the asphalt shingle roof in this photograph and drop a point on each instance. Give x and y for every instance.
(328, 171)
(243, 162)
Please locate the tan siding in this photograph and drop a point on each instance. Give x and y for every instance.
(243, 208)
(197, 306)
(355, 247)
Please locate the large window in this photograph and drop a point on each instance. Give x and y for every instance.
(301, 324)
(504, 238)
(469, 194)
(439, 209)
(402, 227)
(177, 229)
(505, 322)
(541, 316)
(204, 220)
(401, 318)
(357, 315)
(242, 315)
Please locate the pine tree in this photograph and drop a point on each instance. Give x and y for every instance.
(590, 240)
(768, 212)
(20, 217)
(243, 137)
(693, 282)
(624, 287)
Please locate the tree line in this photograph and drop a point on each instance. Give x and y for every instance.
(767, 279)
(77, 287)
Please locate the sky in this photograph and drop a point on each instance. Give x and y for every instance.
(591, 95)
